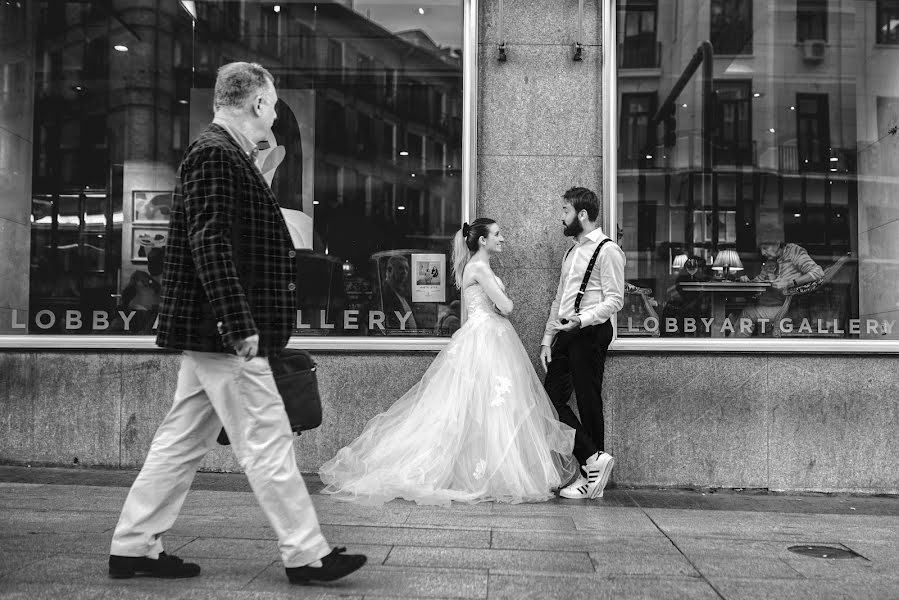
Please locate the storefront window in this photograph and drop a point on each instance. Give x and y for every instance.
(758, 171)
(101, 99)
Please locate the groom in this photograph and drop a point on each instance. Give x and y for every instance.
(578, 334)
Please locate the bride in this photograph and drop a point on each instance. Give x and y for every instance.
(478, 426)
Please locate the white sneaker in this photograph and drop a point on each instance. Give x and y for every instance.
(577, 490)
(598, 474)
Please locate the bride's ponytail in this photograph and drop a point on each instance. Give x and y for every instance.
(461, 254)
(465, 242)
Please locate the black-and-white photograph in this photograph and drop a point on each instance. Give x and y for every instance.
(449, 299)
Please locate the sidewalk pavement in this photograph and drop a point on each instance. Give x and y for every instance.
(56, 524)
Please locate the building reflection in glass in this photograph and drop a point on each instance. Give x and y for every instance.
(365, 155)
(743, 122)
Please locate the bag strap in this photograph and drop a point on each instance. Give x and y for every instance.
(580, 293)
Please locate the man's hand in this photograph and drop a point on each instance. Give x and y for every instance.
(744, 278)
(781, 284)
(546, 357)
(569, 324)
(247, 348)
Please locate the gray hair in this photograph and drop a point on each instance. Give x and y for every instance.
(238, 82)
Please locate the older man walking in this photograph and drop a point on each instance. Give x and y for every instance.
(228, 304)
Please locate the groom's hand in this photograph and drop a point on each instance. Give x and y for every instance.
(569, 324)
(546, 357)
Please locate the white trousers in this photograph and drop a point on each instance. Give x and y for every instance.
(216, 388)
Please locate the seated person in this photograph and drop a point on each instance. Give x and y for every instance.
(682, 303)
(786, 266)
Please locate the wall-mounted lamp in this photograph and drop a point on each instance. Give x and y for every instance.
(578, 46)
(502, 38)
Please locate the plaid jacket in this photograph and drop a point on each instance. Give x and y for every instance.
(229, 262)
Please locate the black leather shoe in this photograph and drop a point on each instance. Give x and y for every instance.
(166, 566)
(334, 566)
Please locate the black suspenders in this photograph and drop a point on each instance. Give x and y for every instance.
(580, 293)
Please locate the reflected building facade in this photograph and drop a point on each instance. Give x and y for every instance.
(743, 122)
(369, 129)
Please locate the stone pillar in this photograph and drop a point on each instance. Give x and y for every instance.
(540, 125)
(16, 124)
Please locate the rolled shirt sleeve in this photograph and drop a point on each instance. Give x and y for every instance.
(548, 332)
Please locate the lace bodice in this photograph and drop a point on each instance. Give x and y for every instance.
(478, 304)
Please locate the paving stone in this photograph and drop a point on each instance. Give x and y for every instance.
(614, 521)
(590, 541)
(13, 560)
(526, 561)
(15, 520)
(58, 591)
(377, 581)
(617, 560)
(407, 536)
(714, 565)
(744, 589)
(75, 543)
(244, 549)
(517, 587)
(93, 571)
(290, 593)
(741, 525)
(434, 519)
(345, 513)
(238, 530)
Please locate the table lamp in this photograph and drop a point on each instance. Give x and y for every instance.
(727, 261)
(679, 260)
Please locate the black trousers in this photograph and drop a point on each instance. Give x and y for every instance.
(578, 362)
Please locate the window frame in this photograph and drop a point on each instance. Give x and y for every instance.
(323, 343)
(806, 15)
(610, 93)
(879, 23)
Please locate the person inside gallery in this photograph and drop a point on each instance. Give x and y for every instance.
(395, 296)
(786, 266)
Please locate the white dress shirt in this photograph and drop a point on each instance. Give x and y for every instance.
(604, 295)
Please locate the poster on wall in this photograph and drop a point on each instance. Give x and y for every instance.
(287, 163)
(151, 206)
(428, 278)
(144, 239)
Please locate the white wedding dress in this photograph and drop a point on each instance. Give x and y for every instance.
(477, 427)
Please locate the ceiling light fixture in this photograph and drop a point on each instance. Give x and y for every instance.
(121, 47)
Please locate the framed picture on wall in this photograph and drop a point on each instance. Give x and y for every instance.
(145, 238)
(151, 207)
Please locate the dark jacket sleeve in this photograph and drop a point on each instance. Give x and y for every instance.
(210, 205)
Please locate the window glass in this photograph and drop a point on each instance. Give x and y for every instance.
(757, 176)
(364, 157)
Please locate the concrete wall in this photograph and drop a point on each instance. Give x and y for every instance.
(823, 423)
(540, 133)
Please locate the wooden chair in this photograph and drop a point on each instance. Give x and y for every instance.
(807, 288)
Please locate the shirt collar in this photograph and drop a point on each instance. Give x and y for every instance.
(243, 141)
(593, 236)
